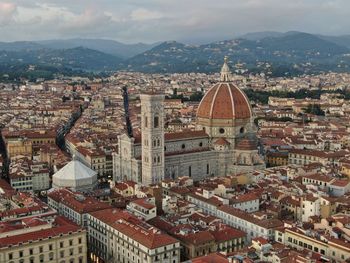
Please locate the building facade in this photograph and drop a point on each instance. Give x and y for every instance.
(59, 241)
(128, 239)
(223, 143)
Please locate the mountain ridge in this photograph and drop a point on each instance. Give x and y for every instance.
(272, 53)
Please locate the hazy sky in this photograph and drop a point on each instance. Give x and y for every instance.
(158, 20)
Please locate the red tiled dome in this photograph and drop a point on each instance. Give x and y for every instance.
(224, 101)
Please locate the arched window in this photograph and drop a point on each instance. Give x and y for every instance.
(158, 142)
(241, 130)
(156, 122)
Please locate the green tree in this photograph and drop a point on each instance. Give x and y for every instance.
(314, 109)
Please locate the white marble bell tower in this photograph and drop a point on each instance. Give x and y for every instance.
(152, 128)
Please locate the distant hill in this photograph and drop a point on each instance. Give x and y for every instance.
(19, 46)
(290, 50)
(76, 58)
(261, 35)
(339, 40)
(277, 54)
(106, 46)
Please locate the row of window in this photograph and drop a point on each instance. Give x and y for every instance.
(51, 255)
(305, 245)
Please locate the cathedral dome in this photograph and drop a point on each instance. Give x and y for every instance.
(224, 101)
(225, 110)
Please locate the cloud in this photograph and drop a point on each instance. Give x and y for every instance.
(7, 13)
(142, 14)
(89, 20)
(157, 20)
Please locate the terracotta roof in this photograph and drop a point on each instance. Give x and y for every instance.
(144, 203)
(211, 258)
(184, 135)
(197, 238)
(221, 141)
(267, 223)
(227, 233)
(246, 144)
(62, 226)
(76, 201)
(340, 183)
(224, 101)
(134, 228)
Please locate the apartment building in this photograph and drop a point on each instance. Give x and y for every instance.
(304, 157)
(40, 240)
(74, 206)
(328, 247)
(118, 236)
(144, 208)
(27, 175)
(252, 225)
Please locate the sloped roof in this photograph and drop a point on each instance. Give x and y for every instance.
(74, 170)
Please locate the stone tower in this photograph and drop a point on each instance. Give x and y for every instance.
(152, 128)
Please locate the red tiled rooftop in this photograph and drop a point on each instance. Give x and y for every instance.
(61, 226)
(224, 101)
(340, 183)
(211, 258)
(77, 202)
(144, 203)
(185, 135)
(134, 228)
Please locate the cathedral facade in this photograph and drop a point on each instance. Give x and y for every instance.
(224, 142)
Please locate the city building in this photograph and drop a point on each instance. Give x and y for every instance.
(223, 143)
(75, 175)
(73, 205)
(118, 236)
(38, 239)
(29, 175)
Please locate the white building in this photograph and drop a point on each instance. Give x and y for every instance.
(26, 175)
(253, 226)
(144, 208)
(118, 236)
(223, 143)
(75, 175)
(311, 206)
(247, 202)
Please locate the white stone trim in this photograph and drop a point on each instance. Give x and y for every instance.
(213, 101)
(231, 96)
